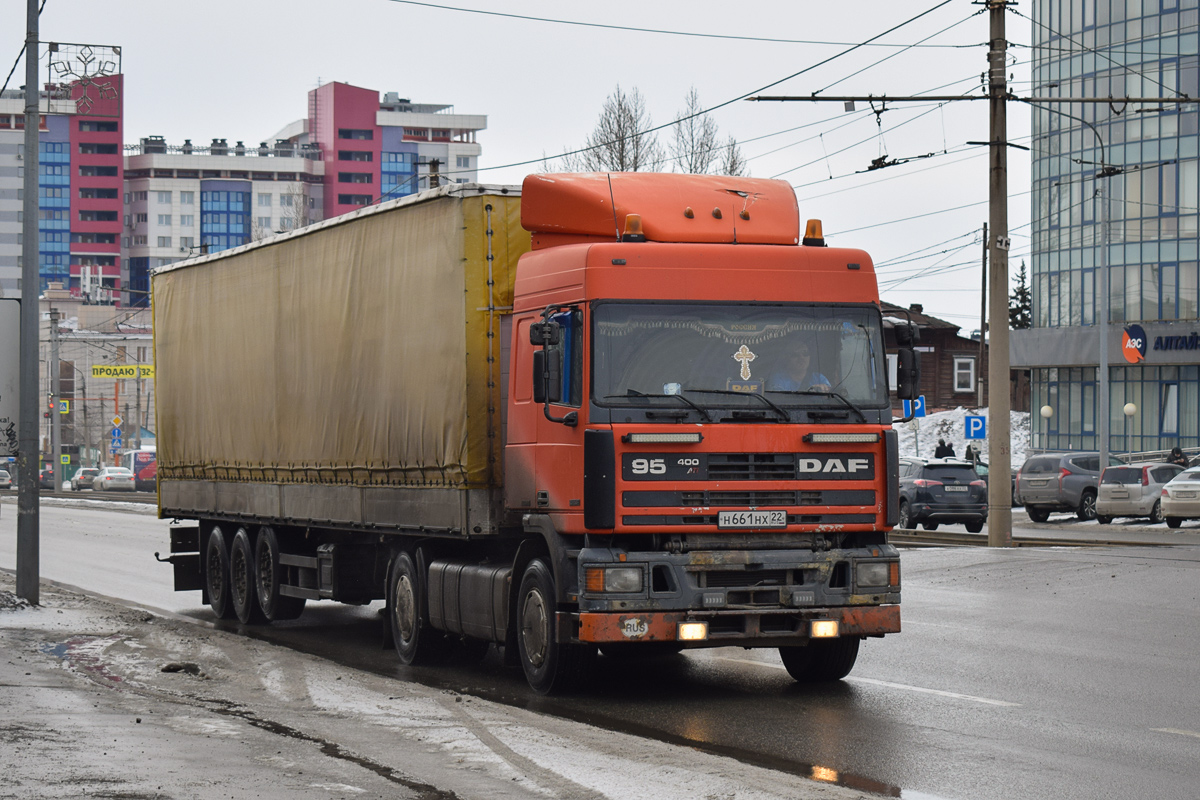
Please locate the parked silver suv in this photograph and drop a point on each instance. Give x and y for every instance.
(1134, 490)
(1061, 482)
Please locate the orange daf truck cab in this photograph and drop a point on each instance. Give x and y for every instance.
(699, 438)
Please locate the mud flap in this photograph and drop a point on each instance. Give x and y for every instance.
(185, 558)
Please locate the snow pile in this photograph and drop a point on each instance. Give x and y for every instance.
(919, 437)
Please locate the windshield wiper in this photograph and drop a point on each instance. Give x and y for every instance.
(830, 393)
(635, 393)
(784, 416)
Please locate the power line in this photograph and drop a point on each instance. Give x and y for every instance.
(19, 54)
(664, 32)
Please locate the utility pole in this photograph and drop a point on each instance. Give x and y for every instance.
(980, 397)
(999, 403)
(28, 568)
(55, 400)
(137, 425)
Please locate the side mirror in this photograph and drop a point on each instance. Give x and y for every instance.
(547, 376)
(908, 374)
(906, 335)
(545, 334)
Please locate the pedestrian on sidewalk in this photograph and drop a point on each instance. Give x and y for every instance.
(943, 450)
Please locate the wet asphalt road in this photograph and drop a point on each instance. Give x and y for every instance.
(1022, 673)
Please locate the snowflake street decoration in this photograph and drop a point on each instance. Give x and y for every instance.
(85, 66)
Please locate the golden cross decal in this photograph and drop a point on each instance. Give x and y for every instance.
(744, 356)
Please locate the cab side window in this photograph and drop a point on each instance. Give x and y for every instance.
(571, 346)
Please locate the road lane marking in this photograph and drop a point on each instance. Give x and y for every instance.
(903, 686)
(1176, 731)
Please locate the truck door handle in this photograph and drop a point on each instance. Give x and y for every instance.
(543, 499)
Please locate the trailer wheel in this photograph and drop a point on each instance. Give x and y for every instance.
(821, 660)
(242, 580)
(274, 605)
(216, 573)
(417, 642)
(551, 666)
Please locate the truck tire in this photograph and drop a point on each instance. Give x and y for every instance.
(216, 573)
(275, 607)
(242, 580)
(551, 666)
(417, 642)
(1087, 506)
(1037, 514)
(821, 660)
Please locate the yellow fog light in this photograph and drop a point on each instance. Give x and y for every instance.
(693, 631)
(824, 628)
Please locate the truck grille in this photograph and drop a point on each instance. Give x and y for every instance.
(751, 467)
(699, 498)
(731, 579)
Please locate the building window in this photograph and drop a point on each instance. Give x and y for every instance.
(264, 223)
(139, 196)
(140, 218)
(964, 374)
(164, 219)
(187, 242)
(354, 199)
(462, 162)
(264, 200)
(97, 172)
(285, 224)
(187, 220)
(355, 155)
(139, 240)
(92, 126)
(357, 134)
(416, 133)
(164, 198)
(164, 241)
(187, 198)
(286, 199)
(355, 177)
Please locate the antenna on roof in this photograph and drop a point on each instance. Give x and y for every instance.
(616, 225)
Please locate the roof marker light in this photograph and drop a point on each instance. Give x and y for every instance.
(633, 229)
(813, 237)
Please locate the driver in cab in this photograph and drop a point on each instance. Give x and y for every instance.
(792, 372)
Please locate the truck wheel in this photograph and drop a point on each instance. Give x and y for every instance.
(1174, 522)
(216, 573)
(1156, 515)
(821, 660)
(1037, 514)
(905, 520)
(1087, 506)
(274, 605)
(242, 580)
(417, 642)
(551, 667)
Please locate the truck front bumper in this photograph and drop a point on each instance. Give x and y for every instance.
(743, 627)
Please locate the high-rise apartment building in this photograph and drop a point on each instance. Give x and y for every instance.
(79, 188)
(1125, 174)
(351, 150)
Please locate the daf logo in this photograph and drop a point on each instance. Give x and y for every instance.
(834, 465)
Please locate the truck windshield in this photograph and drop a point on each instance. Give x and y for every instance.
(792, 355)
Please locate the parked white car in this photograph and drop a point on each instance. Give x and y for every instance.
(1133, 490)
(5, 479)
(1181, 497)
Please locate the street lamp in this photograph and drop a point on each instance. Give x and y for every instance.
(1047, 412)
(1130, 409)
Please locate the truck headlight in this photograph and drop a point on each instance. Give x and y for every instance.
(874, 573)
(620, 580)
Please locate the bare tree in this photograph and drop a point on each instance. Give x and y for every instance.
(294, 211)
(694, 146)
(732, 162)
(619, 142)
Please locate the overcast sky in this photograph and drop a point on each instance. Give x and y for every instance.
(242, 70)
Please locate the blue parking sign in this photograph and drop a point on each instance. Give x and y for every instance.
(976, 427)
(914, 408)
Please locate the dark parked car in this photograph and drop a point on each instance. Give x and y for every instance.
(941, 490)
(981, 469)
(1061, 482)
